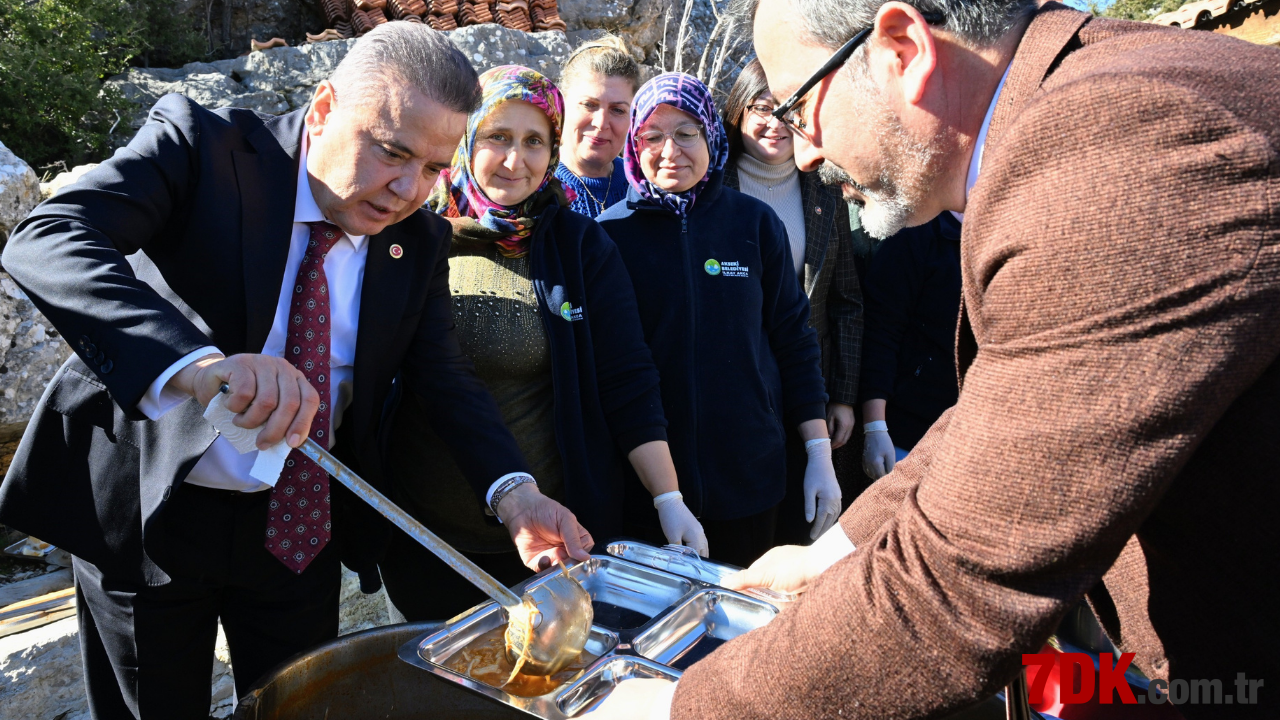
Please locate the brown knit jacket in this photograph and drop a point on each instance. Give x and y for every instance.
(1119, 412)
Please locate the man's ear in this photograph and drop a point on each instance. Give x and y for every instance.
(323, 102)
(902, 45)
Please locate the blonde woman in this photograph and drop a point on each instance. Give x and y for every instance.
(598, 83)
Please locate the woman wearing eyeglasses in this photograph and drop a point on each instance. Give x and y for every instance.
(544, 308)
(727, 322)
(762, 165)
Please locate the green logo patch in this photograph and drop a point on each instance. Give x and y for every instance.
(712, 266)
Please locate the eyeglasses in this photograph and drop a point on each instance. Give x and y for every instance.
(685, 136)
(761, 110)
(787, 112)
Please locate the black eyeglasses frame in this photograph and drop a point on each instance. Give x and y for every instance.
(840, 57)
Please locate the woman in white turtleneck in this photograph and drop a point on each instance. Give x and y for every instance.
(761, 164)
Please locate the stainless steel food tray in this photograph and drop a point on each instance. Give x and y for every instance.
(646, 620)
(685, 562)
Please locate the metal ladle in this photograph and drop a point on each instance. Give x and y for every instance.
(560, 609)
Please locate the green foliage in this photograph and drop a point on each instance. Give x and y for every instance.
(1137, 9)
(54, 55)
(169, 40)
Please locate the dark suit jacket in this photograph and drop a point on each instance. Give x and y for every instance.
(180, 241)
(1117, 427)
(830, 282)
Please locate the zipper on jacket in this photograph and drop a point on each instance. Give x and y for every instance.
(693, 347)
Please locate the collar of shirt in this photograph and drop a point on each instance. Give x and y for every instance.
(305, 209)
(975, 162)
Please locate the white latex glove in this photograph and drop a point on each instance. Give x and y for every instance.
(821, 491)
(878, 456)
(679, 524)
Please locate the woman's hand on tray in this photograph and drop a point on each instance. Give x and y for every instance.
(543, 528)
(638, 699)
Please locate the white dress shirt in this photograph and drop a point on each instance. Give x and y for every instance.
(222, 467)
(975, 162)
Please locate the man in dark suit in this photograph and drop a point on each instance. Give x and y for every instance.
(1115, 433)
(286, 257)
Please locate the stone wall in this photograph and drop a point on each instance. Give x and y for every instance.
(279, 80)
(229, 25)
(19, 191)
(30, 353)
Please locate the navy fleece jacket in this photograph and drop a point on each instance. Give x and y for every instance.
(605, 384)
(912, 298)
(728, 324)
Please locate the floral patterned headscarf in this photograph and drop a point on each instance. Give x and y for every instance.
(458, 197)
(682, 92)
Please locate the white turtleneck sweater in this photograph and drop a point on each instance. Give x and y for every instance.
(779, 187)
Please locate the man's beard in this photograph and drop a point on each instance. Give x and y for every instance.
(908, 168)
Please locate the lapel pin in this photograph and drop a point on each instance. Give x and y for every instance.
(818, 210)
(397, 252)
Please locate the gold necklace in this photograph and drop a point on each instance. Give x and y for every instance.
(607, 189)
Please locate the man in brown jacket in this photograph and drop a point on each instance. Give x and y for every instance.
(1117, 434)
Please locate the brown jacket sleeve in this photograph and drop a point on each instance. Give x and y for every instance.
(1122, 277)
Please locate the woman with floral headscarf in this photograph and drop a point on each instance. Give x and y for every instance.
(545, 309)
(727, 321)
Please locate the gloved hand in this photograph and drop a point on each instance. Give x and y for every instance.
(878, 456)
(821, 491)
(679, 524)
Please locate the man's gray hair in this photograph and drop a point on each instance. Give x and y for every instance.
(412, 54)
(976, 23)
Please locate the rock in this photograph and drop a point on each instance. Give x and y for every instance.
(35, 587)
(19, 191)
(61, 180)
(491, 45)
(282, 79)
(287, 69)
(641, 24)
(40, 675)
(30, 353)
(210, 89)
(357, 611)
(223, 696)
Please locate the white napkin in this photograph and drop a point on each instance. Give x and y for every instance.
(269, 463)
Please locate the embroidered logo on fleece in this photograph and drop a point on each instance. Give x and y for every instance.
(570, 313)
(728, 268)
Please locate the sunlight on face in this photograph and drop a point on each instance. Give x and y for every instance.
(597, 113)
(853, 134)
(372, 164)
(669, 166)
(764, 138)
(512, 152)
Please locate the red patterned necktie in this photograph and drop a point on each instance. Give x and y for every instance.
(298, 524)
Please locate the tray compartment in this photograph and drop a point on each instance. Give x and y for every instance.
(600, 679)
(440, 647)
(683, 561)
(625, 595)
(466, 628)
(699, 625)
